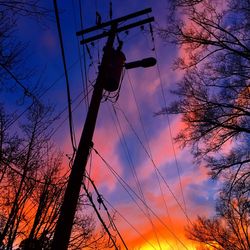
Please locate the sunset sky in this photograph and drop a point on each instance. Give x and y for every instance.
(163, 190)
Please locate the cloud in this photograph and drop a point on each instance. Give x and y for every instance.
(147, 232)
(105, 141)
(162, 150)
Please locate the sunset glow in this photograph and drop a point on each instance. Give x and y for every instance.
(150, 189)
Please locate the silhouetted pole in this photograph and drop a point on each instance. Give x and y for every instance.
(111, 65)
(68, 208)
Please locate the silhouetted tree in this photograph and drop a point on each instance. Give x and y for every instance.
(229, 229)
(46, 200)
(213, 98)
(18, 183)
(13, 51)
(32, 186)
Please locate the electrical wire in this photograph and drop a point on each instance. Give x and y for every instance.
(99, 216)
(124, 218)
(25, 89)
(155, 167)
(88, 171)
(127, 187)
(110, 10)
(168, 119)
(84, 81)
(133, 170)
(84, 53)
(148, 152)
(139, 112)
(100, 201)
(72, 135)
(152, 161)
(72, 143)
(15, 119)
(63, 121)
(80, 102)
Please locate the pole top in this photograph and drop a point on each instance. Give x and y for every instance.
(117, 20)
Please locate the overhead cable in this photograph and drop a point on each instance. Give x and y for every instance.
(66, 77)
(127, 187)
(168, 119)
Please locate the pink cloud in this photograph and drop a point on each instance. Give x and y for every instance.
(105, 142)
(162, 150)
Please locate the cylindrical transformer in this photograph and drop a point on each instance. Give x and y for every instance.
(113, 70)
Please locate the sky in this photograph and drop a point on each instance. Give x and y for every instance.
(159, 190)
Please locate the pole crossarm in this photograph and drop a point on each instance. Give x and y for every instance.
(123, 28)
(114, 21)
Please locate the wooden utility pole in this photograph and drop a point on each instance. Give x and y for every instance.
(68, 208)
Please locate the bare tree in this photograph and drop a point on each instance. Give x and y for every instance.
(22, 168)
(12, 50)
(32, 185)
(8, 143)
(229, 229)
(213, 98)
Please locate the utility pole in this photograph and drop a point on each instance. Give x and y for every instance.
(71, 196)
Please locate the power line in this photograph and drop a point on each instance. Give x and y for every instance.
(72, 136)
(168, 119)
(100, 201)
(149, 153)
(127, 187)
(132, 167)
(83, 49)
(73, 110)
(29, 94)
(139, 113)
(40, 96)
(156, 168)
(110, 10)
(25, 89)
(99, 216)
(84, 76)
(124, 218)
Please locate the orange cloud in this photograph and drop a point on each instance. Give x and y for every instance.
(148, 235)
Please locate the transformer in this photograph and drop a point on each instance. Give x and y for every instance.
(113, 70)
